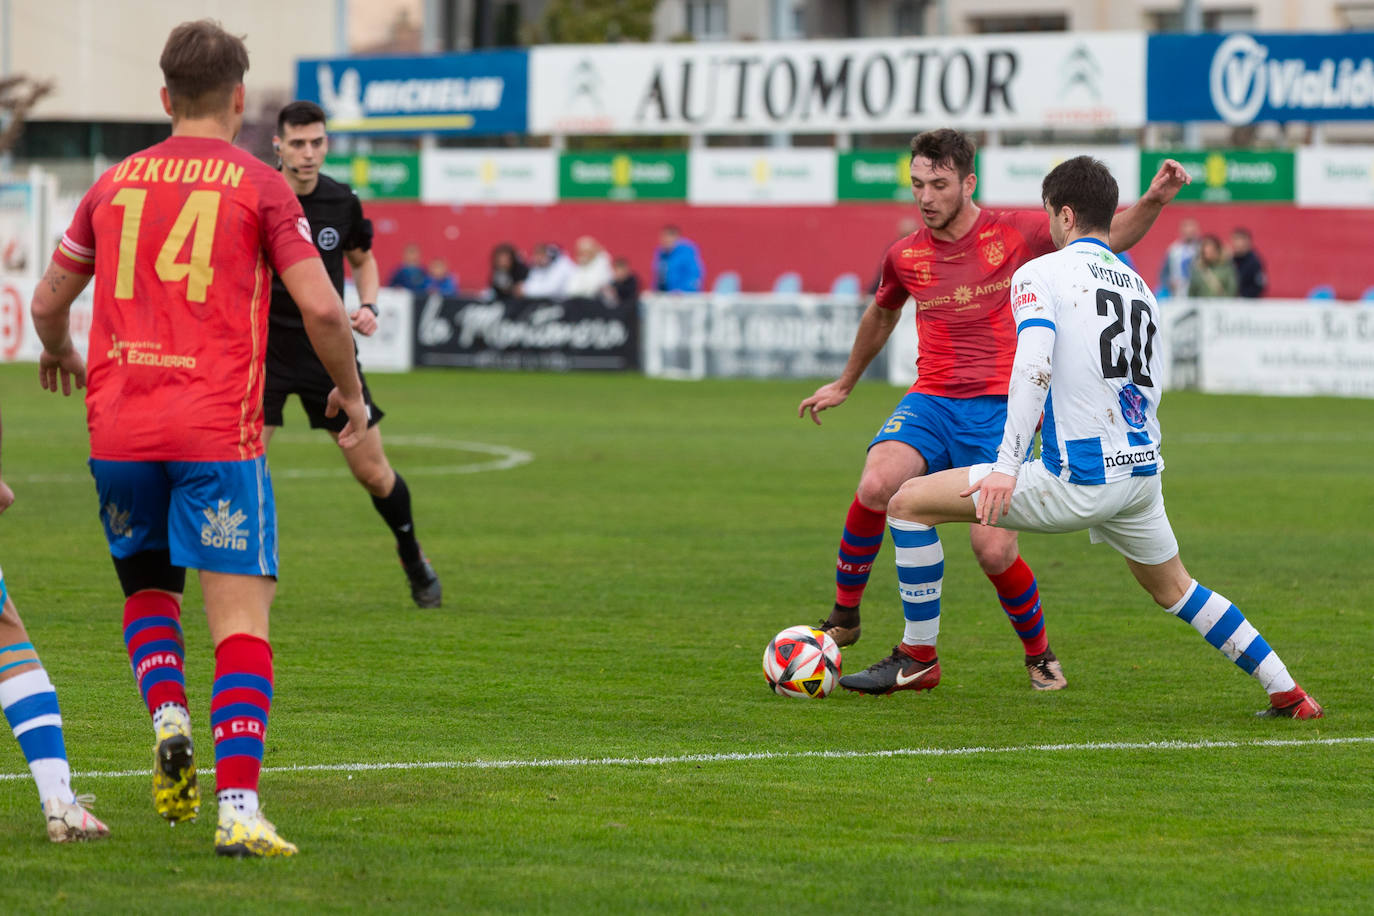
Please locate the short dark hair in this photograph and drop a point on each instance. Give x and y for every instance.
(298, 114)
(1086, 186)
(952, 149)
(1242, 232)
(201, 64)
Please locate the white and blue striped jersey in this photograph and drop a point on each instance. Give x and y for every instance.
(1087, 353)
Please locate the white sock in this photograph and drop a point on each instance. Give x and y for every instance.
(244, 801)
(39, 731)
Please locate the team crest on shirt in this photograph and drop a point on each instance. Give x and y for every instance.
(994, 252)
(920, 273)
(328, 239)
(1133, 405)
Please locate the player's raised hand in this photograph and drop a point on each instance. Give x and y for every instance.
(357, 412)
(6, 496)
(68, 365)
(826, 396)
(994, 496)
(363, 321)
(1170, 178)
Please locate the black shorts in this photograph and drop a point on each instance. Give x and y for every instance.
(293, 368)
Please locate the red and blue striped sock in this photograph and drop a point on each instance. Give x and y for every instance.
(863, 537)
(1020, 598)
(152, 634)
(239, 702)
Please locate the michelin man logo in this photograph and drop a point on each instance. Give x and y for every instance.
(1239, 79)
(344, 102)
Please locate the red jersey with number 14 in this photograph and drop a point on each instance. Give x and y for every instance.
(966, 336)
(181, 238)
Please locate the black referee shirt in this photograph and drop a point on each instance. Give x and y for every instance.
(336, 221)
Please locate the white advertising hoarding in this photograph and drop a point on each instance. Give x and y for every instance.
(489, 176)
(388, 350)
(19, 341)
(761, 176)
(1335, 176)
(1084, 80)
(1010, 176)
(1290, 348)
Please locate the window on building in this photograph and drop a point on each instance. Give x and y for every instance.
(707, 20)
(1357, 17)
(992, 25)
(909, 17)
(1231, 20)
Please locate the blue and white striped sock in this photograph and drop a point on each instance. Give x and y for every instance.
(1223, 626)
(30, 704)
(920, 576)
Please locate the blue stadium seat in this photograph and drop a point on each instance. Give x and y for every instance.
(1322, 291)
(1367, 295)
(727, 281)
(845, 285)
(789, 282)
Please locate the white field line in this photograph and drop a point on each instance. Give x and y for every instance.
(503, 459)
(745, 756)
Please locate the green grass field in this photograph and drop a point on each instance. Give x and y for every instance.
(611, 598)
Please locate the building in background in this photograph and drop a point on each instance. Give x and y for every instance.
(103, 59)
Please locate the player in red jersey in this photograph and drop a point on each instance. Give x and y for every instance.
(184, 237)
(958, 269)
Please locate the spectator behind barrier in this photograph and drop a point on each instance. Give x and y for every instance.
(548, 277)
(624, 288)
(677, 263)
(508, 272)
(411, 272)
(1178, 259)
(440, 280)
(1250, 278)
(1212, 273)
(592, 271)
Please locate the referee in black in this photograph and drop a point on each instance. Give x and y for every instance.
(340, 231)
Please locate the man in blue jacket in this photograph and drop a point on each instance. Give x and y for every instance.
(677, 263)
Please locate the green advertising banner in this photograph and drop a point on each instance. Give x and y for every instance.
(874, 175)
(1222, 176)
(879, 175)
(622, 176)
(378, 176)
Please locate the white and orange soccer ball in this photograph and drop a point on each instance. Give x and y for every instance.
(802, 661)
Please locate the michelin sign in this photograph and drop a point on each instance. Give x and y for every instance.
(477, 93)
(1243, 78)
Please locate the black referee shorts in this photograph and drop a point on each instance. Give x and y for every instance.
(293, 368)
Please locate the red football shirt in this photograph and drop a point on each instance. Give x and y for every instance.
(181, 237)
(966, 335)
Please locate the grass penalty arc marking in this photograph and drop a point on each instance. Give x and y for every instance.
(502, 458)
(748, 756)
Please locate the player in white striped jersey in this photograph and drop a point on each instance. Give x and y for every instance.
(1086, 353)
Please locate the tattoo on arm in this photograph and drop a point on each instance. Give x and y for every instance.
(56, 276)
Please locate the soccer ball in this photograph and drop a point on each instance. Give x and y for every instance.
(802, 662)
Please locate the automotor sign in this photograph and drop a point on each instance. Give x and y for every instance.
(1088, 80)
(1242, 78)
(476, 93)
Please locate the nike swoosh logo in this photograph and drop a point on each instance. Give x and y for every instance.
(903, 681)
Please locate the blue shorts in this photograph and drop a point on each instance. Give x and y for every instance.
(948, 432)
(217, 516)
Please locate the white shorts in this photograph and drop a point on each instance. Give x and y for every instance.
(1128, 514)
